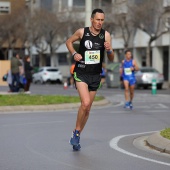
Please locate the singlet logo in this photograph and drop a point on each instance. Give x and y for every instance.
(88, 44)
(87, 34)
(101, 36)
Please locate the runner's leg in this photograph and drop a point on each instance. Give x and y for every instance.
(126, 92)
(86, 98)
(86, 116)
(131, 88)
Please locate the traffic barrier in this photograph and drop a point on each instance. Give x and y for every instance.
(154, 86)
(65, 85)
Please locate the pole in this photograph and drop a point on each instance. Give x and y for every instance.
(168, 26)
(154, 86)
(31, 44)
(88, 10)
(169, 57)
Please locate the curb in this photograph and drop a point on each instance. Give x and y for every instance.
(156, 141)
(53, 107)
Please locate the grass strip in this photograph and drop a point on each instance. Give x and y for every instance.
(166, 133)
(24, 99)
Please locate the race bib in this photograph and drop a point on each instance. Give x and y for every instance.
(92, 57)
(127, 71)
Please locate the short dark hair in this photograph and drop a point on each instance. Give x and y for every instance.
(15, 53)
(95, 11)
(126, 51)
(26, 57)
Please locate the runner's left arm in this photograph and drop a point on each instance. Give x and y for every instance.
(108, 47)
(135, 66)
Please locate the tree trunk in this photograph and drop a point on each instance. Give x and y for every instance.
(42, 61)
(53, 60)
(148, 54)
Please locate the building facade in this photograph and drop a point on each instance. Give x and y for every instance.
(8, 6)
(7, 9)
(160, 48)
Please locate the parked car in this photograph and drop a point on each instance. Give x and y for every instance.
(47, 74)
(146, 75)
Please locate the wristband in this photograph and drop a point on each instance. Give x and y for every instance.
(109, 52)
(74, 54)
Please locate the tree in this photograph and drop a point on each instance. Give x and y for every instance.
(123, 21)
(12, 29)
(49, 31)
(149, 17)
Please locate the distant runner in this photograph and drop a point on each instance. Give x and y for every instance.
(127, 71)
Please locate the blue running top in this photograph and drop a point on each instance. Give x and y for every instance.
(127, 72)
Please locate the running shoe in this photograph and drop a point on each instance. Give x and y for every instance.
(76, 147)
(75, 138)
(127, 106)
(130, 105)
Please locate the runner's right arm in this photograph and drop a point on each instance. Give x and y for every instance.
(121, 68)
(69, 43)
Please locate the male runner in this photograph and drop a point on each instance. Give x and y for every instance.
(93, 42)
(127, 69)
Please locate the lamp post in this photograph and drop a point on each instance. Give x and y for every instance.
(88, 10)
(168, 25)
(169, 52)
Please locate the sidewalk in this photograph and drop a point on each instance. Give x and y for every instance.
(156, 141)
(53, 107)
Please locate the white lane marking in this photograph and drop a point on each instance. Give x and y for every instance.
(163, 106)
(114, 145)
(160, 105)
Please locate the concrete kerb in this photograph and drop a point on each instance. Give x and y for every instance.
(156, 141)
(49, 107)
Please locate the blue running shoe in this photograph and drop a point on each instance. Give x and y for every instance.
(130, 105)
(75, 138)
(76, 147)
(127, 106)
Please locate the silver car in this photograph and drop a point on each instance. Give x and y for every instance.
(47, 74)
(146, 75)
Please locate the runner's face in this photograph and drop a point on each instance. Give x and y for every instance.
(128, 55)
(97, 21)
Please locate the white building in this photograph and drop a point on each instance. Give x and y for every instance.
(138, 44)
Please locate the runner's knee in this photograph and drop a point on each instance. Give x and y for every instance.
(85, 105)
(126, 90)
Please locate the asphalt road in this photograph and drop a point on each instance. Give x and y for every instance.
(110, 140)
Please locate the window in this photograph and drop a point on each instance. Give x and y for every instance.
(62, 59)
(46, 4)
(5, 7)
(52, 70)
(106, 2)
(166, 3)
(101, 3)
(79, 3)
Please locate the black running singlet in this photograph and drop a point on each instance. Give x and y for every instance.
(92, 50)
